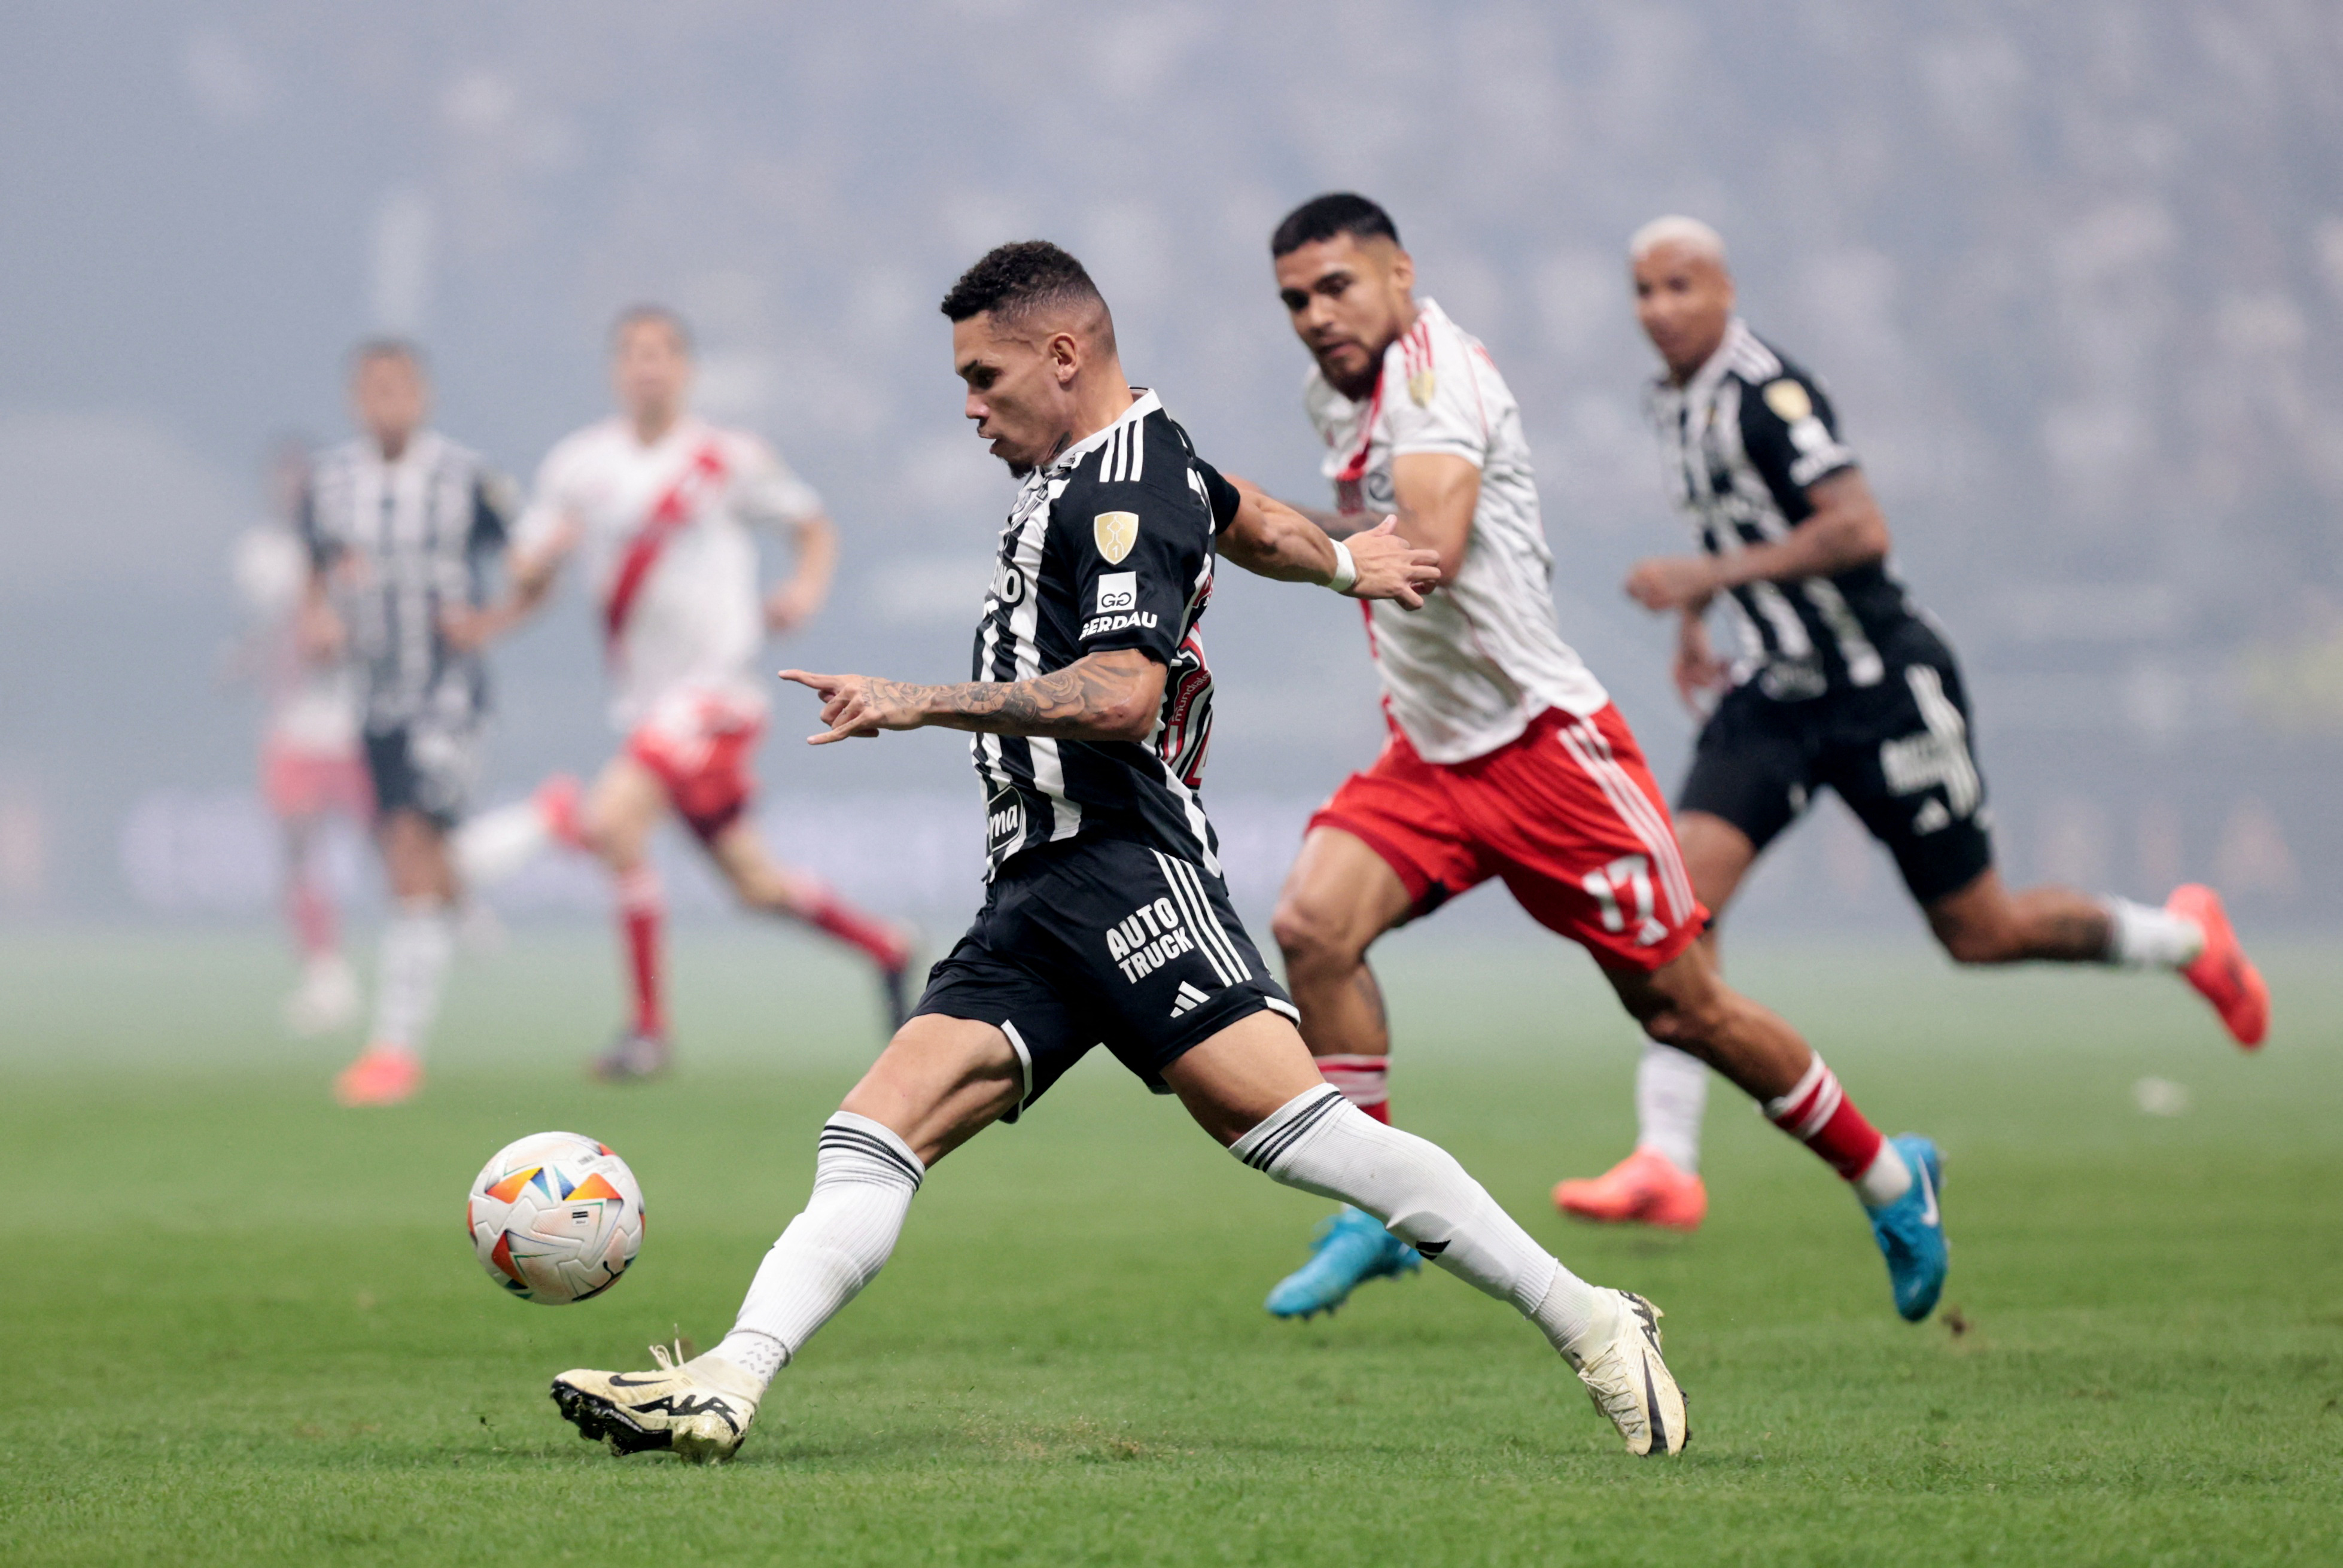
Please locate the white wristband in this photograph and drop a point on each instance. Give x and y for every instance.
(1346, 570)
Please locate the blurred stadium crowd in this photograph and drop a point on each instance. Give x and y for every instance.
(2075, 273)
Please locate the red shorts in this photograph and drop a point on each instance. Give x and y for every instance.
(1567, 814)
(701, 744)
(304, 783)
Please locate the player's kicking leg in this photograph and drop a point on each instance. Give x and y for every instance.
(1687, 1004)
(1253, 1086)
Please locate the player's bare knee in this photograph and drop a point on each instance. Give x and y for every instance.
(1312, 940)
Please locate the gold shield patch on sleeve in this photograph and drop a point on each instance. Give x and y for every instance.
(1788, 399)
(1115, 532)
(1422, 386)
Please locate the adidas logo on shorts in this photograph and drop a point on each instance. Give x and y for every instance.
(1191, 999)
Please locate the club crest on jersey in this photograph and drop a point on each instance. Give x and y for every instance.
(1788, 399)
(1147, 938)
(1115, 532)
(1422, 386)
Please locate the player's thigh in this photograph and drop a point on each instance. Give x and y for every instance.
(1339, 896)
(1235, 1079)
(1716, 854)
(939, 1082)
(625, 803)
(739, 852)
(415, 854)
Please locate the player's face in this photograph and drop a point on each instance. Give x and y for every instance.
(391, 399)
(1019, 390)
(1349, 301)
(651, 370)
(1684, 300)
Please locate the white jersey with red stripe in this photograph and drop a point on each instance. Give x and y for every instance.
(668, 536)
(1469, 671)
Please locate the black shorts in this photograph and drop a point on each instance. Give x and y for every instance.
(1092, 942)
(424, 768)
(1897, 752)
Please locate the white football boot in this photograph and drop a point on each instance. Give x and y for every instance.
(701, 1409)
(1629, 1383)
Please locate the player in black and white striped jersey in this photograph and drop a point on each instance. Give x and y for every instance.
(1105, 917)
(1842, 682)
(402, 526)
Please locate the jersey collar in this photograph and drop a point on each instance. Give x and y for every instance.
(1713, 370)
(1146, 402)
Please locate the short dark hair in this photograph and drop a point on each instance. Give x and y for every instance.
(1324, 217)
(1016, 281)
(634, 315)
(370, 349)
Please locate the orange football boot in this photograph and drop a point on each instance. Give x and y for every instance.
(382, 1076)
(1645, 1188)
(2222, 973)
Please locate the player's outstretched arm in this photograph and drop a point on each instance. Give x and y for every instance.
(1110, 696)
(1845, 530)
(1274, 541)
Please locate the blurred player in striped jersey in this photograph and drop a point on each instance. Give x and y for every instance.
(1506, 760)
(403, 526)
(311, 767)
(1842, 682)
(665, 507)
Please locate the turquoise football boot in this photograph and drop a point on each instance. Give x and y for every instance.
(1350, 1249)
(1911, 1230)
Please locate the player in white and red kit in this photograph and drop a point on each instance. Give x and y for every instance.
(664, 507)
(311, 767)
(1505, 758)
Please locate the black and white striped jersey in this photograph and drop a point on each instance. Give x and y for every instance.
(1743, 440)
(1109, 546)
(401, 541)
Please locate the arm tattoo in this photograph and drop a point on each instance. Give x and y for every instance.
(1079, 702)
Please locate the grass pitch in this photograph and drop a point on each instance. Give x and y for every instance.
(245, 1327)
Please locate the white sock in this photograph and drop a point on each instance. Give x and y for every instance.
(496, 843)
(1671, 1094)
(864, 1176)
(1321, 1143)
(2142, 937)
(416, 947)
(1884, 1180)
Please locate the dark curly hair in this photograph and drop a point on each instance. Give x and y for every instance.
(1017, 281)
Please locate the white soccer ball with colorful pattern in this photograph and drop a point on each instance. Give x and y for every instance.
(555, 1218)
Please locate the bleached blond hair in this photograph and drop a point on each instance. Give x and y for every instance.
(1676, 229)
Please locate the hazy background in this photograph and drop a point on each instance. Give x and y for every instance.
(2075, 272)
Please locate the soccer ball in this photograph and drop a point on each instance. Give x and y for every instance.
(555, 1218)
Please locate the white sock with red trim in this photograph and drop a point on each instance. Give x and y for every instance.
(1671, 1097)
(1364, 1080)
(2140, 936)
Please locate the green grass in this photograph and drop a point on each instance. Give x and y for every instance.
(244, 1327)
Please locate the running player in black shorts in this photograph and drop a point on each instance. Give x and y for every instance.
(1105, 918)
(1842, 683)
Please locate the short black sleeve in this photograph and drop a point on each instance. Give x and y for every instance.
(1224, 497)
(1790, 434)
(1137, 554)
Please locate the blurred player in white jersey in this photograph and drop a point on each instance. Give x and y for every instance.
(663, 505)
(1842, 683)
(1505, 760)
(311, 769)
(402, 526)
